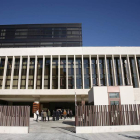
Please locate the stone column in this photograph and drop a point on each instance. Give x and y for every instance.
(12, 72)
(107, 83)
(83, 72)
(4, 74)
(43, 68)
(59, 72)
(114, 72)
(129, 70)
(75, 71)
(27, 75)
(20, 69)
(90, 65)
(35, 74)
(66, 71)
(98, 70)
(122, 71)
(51, 72)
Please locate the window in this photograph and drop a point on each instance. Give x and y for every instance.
(2, 63)
(114, 95)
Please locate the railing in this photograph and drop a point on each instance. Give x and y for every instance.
(14, 115)
(107, 115)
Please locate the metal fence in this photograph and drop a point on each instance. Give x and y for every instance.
(14, 115)
(107, 115)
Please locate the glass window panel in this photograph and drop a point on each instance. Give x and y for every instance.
(114, 102)
(2, 63)
(114, 95)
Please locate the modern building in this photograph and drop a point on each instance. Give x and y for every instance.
(41, 35)
(52, 76)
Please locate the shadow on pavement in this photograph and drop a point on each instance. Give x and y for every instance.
(71, 129)
(72, 123)
(131, 137)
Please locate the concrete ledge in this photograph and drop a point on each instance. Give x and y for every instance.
(105, 129)
(14, 129)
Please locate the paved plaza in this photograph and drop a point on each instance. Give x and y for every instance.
(65, 130)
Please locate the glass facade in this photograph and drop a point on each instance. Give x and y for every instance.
(86, 73)
(70, 73)
(39, 73)
(8, 73)
(133, 72)
(31, 73)
(16, 73)
(138, 64)
(94, 71)
(41, 35)
(47, 74)
(125, 71)
(102, 71)
(118, 71)
(110, 71)
(23, 73)
(62, 73)
(2, 63)
(55, 73)
(80, 79)
(79, 84)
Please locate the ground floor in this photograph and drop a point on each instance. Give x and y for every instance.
(65, 130)
(45, 102)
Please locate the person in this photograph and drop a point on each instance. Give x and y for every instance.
(64, 113)
(68, 112)
(44, 116)
(54, 113)
(37, 114)
(61, 114)
(57, 115)
(49, 114)
(71, 114)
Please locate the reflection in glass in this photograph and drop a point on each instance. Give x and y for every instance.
(2, 62)
(118, 71)
(8, 73)
(16, 73)
(31, 73)
(47, 74)
(94, 71)
(39, 73)
(110, 71)
(71, 73)
(114, 102)
(79, 84)
(133, 72)
(62, 73)
(125, 71)
(23, 73)
(102, 71)
(138, 63)
(114, 95)
(86, 73)
(55, 73)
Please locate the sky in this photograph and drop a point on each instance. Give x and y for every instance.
(104, 22)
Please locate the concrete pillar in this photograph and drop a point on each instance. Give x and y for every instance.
(27, 75)
(20, 69)
(107, 83)
(59, 72)
(75, 71)
(43, 68)
(12, 72)
(122, 74)
(137, 72)
(129, 71)
(51, 72)
(35, 74)
(4, 73)
(90, 65)
(98, 70)
(83, 72)
(66, 71)
(114, 72)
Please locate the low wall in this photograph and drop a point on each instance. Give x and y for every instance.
(105, 129)
(14, 129)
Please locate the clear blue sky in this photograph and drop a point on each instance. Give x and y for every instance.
(104, 22)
